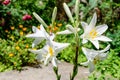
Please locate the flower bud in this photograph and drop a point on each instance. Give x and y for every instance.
(67, 10)
(26, 17)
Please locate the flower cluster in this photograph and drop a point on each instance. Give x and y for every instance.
(91, 33)
(50, 50)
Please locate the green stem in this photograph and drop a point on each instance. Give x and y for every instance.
(58, 76)
(75, 68)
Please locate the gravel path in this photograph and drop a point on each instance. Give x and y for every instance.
(44, 73)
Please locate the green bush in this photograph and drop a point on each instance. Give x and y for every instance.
(12, 14)
(14, 55)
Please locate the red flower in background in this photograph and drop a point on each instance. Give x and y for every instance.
(26, 17)
(6, 2)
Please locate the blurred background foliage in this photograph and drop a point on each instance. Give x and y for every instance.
(15, 24)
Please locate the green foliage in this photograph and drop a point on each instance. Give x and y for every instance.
(14, 55)
(107, 10)
(12, 14)
(115, 36)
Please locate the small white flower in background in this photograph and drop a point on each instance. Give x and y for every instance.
(92, 33)
(69, 30)
(39, 35)
(49, 52)
(94, 56)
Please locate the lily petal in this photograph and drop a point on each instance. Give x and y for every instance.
(47, 59)
(64, 32)
(34, 29)
(92, 67)
(52, 36)
(42, 28)
(39, 57)
(95, 43)
(93, 21)
(60, 46)
(85, 63)
(84, 25)
(37, 41)
(90, 54)
(106, 49)
(101, 29)
(102, 56)
(84, 41)
(54, 61)
(37, 32)
(103, 38)
(38, 52)
(35, 35)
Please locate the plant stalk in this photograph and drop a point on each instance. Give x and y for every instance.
(75, 68)
(58, 76)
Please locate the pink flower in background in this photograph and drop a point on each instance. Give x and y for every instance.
(24, 18)
(6, 2)
(27, 17)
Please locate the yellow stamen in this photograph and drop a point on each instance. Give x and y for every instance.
(50, 51)
(38, 27)
(96, 60)
(93, 33)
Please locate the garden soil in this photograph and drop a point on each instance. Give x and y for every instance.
(42, 72)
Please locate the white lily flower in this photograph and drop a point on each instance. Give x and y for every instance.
(39, 35)
(70, 29)
(92, 33)
(93, 56)
(49, 52)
